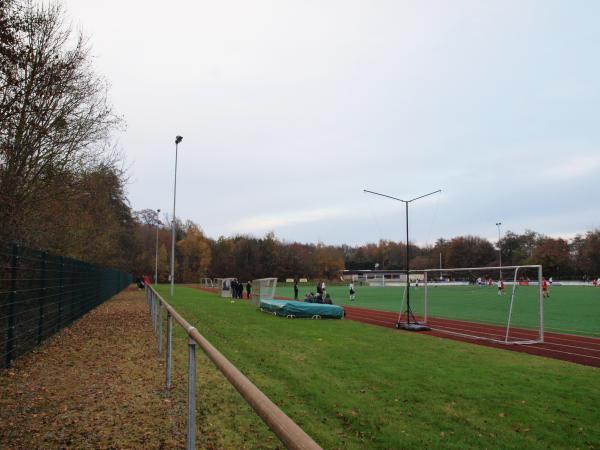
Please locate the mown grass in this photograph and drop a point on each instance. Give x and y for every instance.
(570, 309)
(351, 385)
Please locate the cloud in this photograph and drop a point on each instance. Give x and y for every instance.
(576, 167)
(287, 219)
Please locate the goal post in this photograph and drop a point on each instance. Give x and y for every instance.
(207, 282)
(470, 302)
(263, 289)
(223, 286)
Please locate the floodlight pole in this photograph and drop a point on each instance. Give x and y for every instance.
(414, 326)
(178, 139)
(156, 259)
(498, 224)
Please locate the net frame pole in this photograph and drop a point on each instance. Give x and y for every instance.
(510, 309)
(425, 306)
(541, 297)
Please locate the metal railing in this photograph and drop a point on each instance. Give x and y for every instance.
(41, 293)
(290, 434)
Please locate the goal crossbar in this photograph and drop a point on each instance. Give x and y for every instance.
(515, 281)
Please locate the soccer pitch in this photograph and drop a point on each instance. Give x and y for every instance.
(570, 309)
(355, 386)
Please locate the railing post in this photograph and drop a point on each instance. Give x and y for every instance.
(160, 327)
(191, 424)
(155, 300)
(10, 335)
(152, 310)
(168, 356)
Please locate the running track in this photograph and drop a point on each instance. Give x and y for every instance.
(568, 347)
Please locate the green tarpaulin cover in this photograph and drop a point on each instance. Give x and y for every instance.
(292, 308)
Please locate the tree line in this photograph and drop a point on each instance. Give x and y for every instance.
(63, 188)
(249, 257)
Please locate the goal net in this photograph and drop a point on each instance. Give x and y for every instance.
(499, 304)
(223, 286)
(263, 289)
(207, 283)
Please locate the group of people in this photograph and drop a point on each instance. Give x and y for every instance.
(318, 298)
(237, 289)
(322, 296)
(143, 281)
(545, 287)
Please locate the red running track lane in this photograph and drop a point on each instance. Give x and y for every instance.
(567, 347)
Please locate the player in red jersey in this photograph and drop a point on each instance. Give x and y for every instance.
(500, 286)
(545, 290)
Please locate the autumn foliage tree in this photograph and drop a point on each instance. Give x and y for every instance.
(193, 254)
(61, 185)
(55, 125)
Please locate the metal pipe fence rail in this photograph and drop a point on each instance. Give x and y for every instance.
(41, 293)
(290, 434)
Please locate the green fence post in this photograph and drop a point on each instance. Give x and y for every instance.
(10, 335)
(41, 299)
(74, 279)
(60, 293)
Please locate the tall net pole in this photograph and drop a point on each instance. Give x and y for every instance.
(414, 326)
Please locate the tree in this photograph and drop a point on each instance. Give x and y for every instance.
(193, 255)
(330, 261)
(55, 118)
(590, 253)
(553, 255)
(470, 251)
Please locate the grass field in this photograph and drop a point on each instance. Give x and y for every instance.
(356, 386)
(570, 309)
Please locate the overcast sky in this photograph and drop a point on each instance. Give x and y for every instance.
(289, 109)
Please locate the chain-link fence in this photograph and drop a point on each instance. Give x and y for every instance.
(41, 293)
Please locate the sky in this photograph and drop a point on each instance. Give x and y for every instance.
(290, 109)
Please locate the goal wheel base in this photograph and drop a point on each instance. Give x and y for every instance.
(412, 326)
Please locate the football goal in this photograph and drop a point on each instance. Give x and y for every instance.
(263, 289)
(500, 304)
(223, 286)
(206, 283)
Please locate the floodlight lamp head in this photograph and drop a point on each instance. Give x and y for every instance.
(178, 139)
(498, 224)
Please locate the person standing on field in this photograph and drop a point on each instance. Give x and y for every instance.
(501, 287)
(295, 289)
(351, 291)
(248, 290)
(545, 290)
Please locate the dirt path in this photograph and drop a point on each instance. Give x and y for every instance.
(96, 385)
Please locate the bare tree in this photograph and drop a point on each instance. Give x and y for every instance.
(54, 112)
